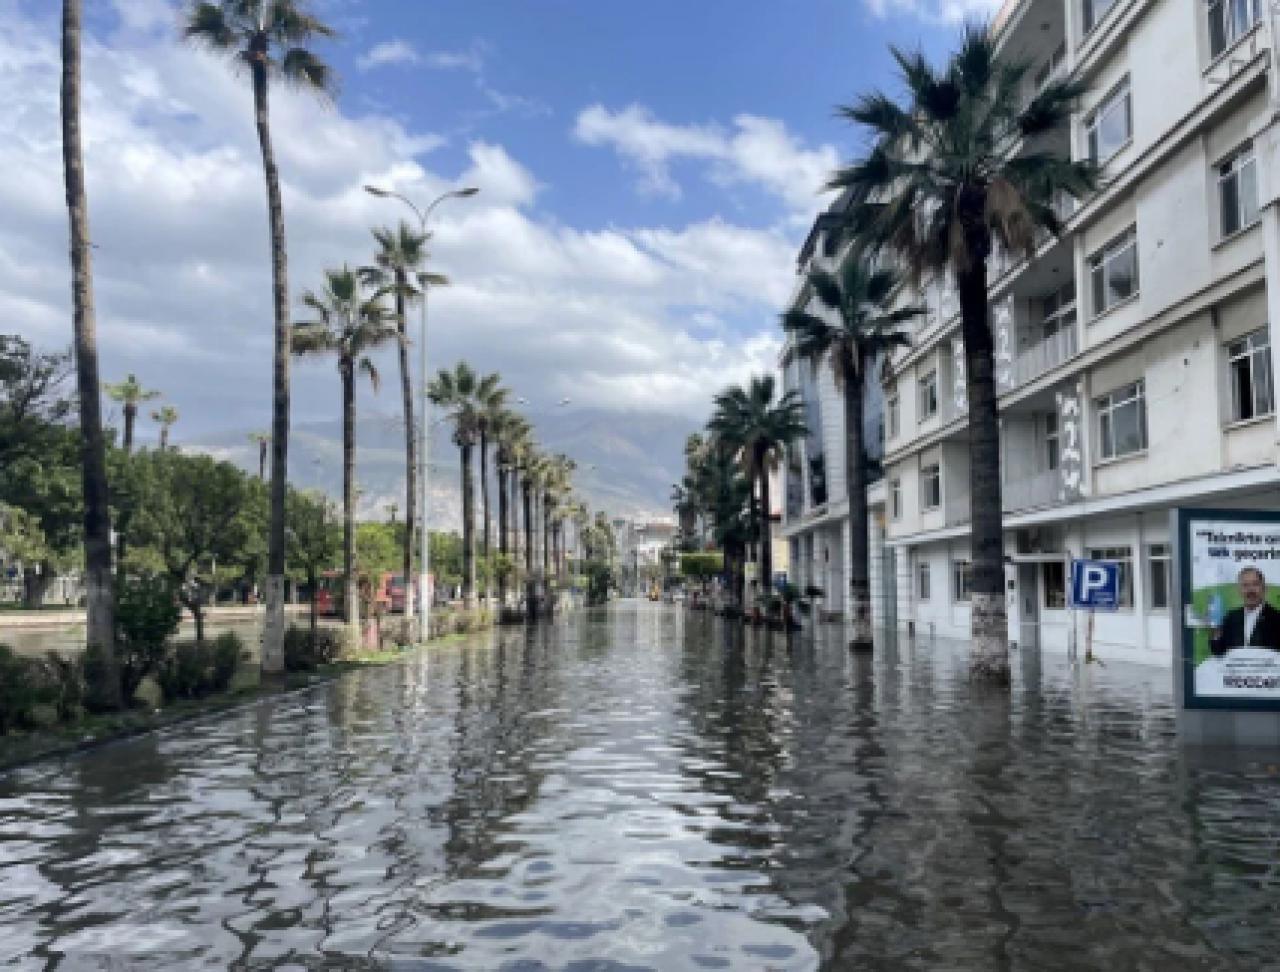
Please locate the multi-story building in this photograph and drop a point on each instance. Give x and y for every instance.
(1134, 352)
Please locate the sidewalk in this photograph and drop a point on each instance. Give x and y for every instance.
(74, 616)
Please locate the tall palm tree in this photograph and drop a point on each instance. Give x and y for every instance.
(99, 583)
(963, 167)
(165, 416)
(402, 252)
(860, 300)
(130, 394)
(556, 488)
(458, 392)
(270, 38)
(263, 441)
(491, 398)
(530, 473)
(349, 323)
(751, 420)
(506, 428)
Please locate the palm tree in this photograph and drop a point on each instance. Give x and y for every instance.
(263, 441)
(860, 299)
(402, 252)
(130, 394)
(726, 497)
(99, 583)
(165, 417)
(491, 398)
(507, 429)
(750, 420)
(530, 468)
(960, 169)
(349, 323)
(458, 391)
(270, 38)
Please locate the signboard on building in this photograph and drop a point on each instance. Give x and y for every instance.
(1095, 584)
(959, 386)
(1230, 617)
(1002, 328)
(1070, 445)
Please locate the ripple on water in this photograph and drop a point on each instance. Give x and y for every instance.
(642, 789)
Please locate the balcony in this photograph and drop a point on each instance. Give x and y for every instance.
(1038, 359)
(1032, 492)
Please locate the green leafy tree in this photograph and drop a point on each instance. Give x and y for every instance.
(315, 541)
(349, 323)
(271, 39)
(166, 417)
(34, 397)
(965, 166)
(866, 327)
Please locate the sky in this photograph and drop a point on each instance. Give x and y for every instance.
(647, 173)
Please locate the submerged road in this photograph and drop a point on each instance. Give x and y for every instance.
(642, 787)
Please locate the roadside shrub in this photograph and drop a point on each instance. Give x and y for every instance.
(19, 690)
(147, 616)
(192, 670)
(227, 649)
(303, 654)
(398, 632)
(66, 685)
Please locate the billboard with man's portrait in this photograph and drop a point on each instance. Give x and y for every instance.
(1230, 608)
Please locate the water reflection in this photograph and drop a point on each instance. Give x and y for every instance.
(637, 787)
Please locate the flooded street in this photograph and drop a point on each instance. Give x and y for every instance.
(648, 788)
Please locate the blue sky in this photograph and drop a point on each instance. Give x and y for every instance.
(646, 173)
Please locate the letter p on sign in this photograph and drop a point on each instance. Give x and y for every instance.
(1095, 584)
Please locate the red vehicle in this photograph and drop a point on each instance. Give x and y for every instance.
(388, 593)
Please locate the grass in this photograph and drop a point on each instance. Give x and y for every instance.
(21, 748)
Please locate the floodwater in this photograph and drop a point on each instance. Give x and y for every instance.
(643, 788)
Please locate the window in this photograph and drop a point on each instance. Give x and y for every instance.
(893, 414)
(922, 580)
(1052, 441)
(1054, 577)
(1094, 11)
(930, 487)
(1124, 557)
(1058, 310)
(1238, 191)
(929, 396)
(1110, 126)
(1252, 393)
(1114, 271)
(895, 498)
(1122, 421)
(1159, 579)
(960, 579)
(1229, 20)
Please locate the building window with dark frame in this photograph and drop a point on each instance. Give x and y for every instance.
(929, 396)
(1229, 20)
(1109, 127)
(893, 416)
(1159, 576)
(1053, 576)
(930, 487)
(960, 579)
(1094, 11)
(1252, 386)
(895, 498)
(922, 580)
(1124, 557)
(1122, 421)
(1052, 441)
(1238, 191)
(1113, 271)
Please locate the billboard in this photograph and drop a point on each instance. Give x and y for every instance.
(1230, 597)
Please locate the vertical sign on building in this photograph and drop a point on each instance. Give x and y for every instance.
(1002, 328)
(960, 391)
(1071, 451)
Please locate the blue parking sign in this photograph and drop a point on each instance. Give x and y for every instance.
(1095, 584)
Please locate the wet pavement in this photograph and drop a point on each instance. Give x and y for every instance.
(645, 788)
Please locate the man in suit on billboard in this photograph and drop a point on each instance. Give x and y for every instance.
(1255, 625)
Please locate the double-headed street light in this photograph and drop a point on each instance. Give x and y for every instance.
(424, 468)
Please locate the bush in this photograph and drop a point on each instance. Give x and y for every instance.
(66, 684)
(302, 654)
(193, 670)
(147, 616)
(19, 690)
(398, 631)
(227, 649)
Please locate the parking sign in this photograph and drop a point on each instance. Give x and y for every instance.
(1095, 584)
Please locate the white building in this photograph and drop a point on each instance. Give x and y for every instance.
(1135, 362)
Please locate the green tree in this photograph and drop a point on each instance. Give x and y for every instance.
(752, 421)
(402, 253)
(34, 397)
(964, 166)
(349, 323)
(130, 394)
(507, 430)
(315, 541)
(270, 38)
(165, 417)
(865, 328)
(189, 515)
(491, 401)
(99, 584)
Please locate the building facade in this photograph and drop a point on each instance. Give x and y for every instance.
(1135, 353)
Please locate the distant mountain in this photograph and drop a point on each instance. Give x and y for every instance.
(627, 462)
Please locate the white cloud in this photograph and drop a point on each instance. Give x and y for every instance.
(758, 151)
(386, 53)
(615, 316)
(938, 11)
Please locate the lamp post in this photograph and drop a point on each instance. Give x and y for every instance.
(424, 567)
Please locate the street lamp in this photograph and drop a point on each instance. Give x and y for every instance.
(424, 567)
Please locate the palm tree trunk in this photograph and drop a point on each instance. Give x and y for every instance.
(164, 438)
(410, 469)
(527, 503)
(130, 416)
(546, 535)
(855, 479)
(766, 547)
(99, 583)
(484, 492)
(989, 651)
(468, 529)
(273, 627)
(262, 459)
(503, 546)
(351, 604)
